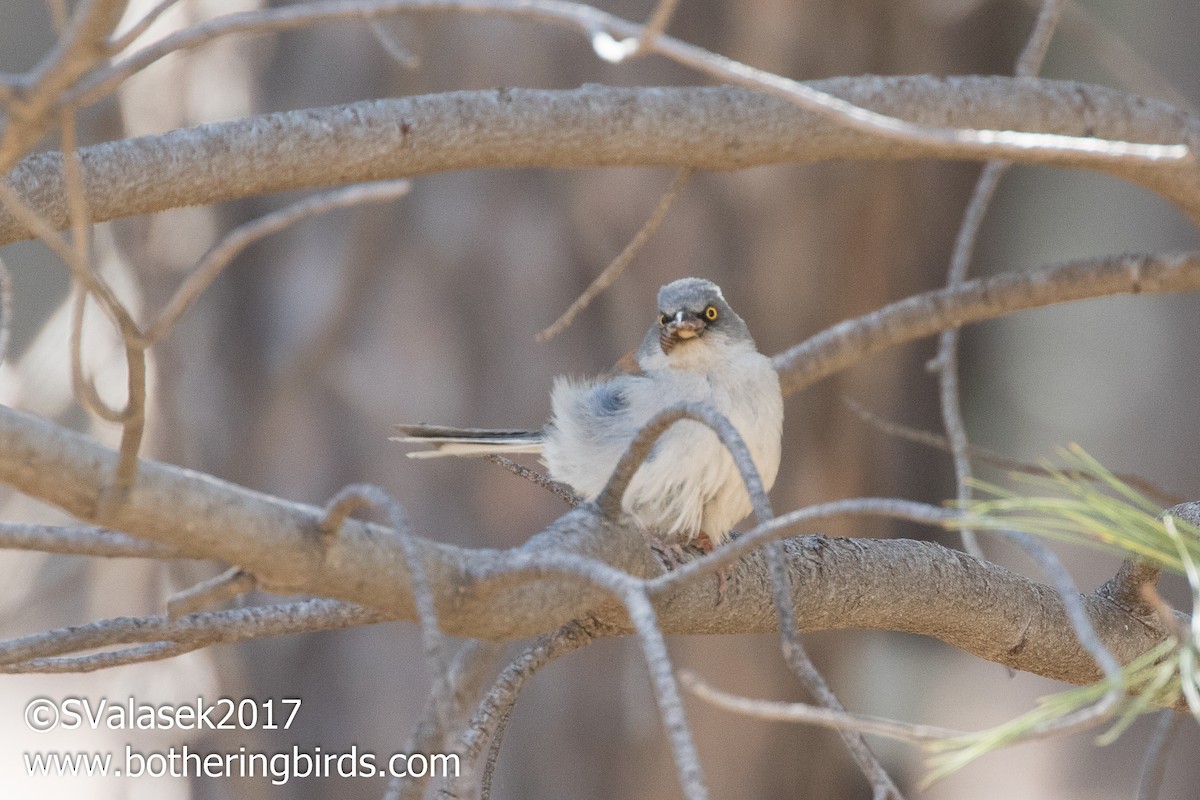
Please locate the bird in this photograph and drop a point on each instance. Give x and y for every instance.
(688, 490)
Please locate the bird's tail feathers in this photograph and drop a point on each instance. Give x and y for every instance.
(447, 441)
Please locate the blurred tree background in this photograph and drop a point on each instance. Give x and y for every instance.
(289, 373)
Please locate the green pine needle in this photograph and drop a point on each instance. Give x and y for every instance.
(1085, 503)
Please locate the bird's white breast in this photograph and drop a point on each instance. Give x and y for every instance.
(689, 483)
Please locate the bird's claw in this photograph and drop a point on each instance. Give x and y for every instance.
(672, 555)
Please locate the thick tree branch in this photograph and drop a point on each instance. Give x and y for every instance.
(721, 128)
(839, 583)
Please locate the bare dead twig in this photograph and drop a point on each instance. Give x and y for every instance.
(796, 657)
(814, 715)
(784, 525)
(392, 46)
(137, 654)
(490, 719)
(559, 490)
(355, 496)
(930, 439)
(237, 240)
(794, 653)
(614, 51)
(1155, 764)
(78, 50)
(6, 310)
(1028, 64)
(233, 582)
(84, 388)
(611, 497)
(946, 361)
(1033, 54)
(613, 271)
(127, 37)
(464, 677)
(1085, 632)
(610, 501)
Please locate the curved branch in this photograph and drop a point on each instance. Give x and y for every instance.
(839, 583)
(847, 343)
(720, 128)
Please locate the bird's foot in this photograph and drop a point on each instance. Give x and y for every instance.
(704, 543)
(670, 554)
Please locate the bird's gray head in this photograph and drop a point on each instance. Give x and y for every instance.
(691, 311)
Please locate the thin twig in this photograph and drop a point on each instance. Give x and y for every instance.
(610, 500)
(666, 691)
(814, 715)
(135, 426)
(241, 237)
(611, 497)
(76, 52)
(83, 387)
(946, 360)
(464, 676)
(6, 310)
(882, 785)
(930, 439)
(796, 657)
(1029, 63)
(233, 582)
(781, 527)
(560, 490)
(126, 38)
(77, 256)
(1154, 766)
(1081, 624)
(633, 595)
(490, 719)
(391, 45)
(613, 271)
(355, 496)
(86, 540)
(25, 214)
(614, 51)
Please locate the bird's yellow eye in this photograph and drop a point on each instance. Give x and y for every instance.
(663, 319)
(710, 313)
